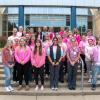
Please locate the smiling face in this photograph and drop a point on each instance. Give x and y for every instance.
(38, 43)
(22, 42)
(9, 43)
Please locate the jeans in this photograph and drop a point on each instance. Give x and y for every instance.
(95, 73)
(89, 68)
(8, 75)
(72, 72)
(54, 75)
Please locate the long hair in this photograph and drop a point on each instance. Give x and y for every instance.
(40, 47)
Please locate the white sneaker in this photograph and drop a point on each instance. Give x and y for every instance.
(89, 81)
(42, 88)
(10, 88)
(36, 88)
(52, 88)
(56, 89)
(7, 89)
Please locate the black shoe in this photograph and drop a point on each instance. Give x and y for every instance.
(73, 88)
(93, 87)
(70, 88)
(61, 81)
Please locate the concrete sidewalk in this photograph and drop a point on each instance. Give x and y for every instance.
(86, 97)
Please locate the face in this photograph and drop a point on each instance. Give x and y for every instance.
(14, 31)
(38, 43)
(22, 42)
(20, 29)
(9, 43)
(62, 29)
(47, 37)
(33, 38)
(59, 39)
(39, 29)
(90, 42)
(83, 37)
(55, 41)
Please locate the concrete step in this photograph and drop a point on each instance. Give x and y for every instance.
(47, 84)
(49, 92)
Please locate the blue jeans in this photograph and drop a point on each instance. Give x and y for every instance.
(95, 73)
(8, 74)
(54, 75)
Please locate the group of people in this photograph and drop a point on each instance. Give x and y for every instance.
(45, 53)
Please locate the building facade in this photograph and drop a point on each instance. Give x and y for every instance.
(51, 13)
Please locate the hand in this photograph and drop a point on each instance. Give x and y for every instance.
(11, 65)
(72, 63)
(22, 62)
(53, 63)
(57, 63)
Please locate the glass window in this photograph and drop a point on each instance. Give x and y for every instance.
(82, 23)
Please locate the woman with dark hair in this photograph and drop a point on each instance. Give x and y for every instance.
(55, 54)
(46, 44)
(38, 60)
(22, 56)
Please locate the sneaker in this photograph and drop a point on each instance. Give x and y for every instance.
(52, 88)
(27, 88)
(7, 89)
(93, 87)
(19, 87)
(10, 88)
(56, 89)
(89, 81)
(36, 88)
(42, 88)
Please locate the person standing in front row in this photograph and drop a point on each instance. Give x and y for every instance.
(73, 55)
(8, 62)
(55, 54)
(22, 56)
(38, 56)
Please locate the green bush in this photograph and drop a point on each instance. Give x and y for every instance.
(3, 40)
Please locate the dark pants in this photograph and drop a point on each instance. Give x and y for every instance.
(47, 66)
(37, 72)
(15, 72)
(23, 71)
(72, 72)
(54, 75)
(61, 72)
(83, 58)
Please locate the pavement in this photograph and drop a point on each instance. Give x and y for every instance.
(79, 97)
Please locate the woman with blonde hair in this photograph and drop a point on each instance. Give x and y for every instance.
(22, 56)
(8, 62)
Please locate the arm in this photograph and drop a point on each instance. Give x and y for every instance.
(17, 56)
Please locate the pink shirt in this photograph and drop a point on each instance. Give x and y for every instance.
(82, 45)
(78, 38)
(22, 54)
(38, 60)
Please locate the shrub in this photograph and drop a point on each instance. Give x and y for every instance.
(3, 40)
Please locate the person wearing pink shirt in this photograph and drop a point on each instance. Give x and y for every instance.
(38, 56)
(62, 29)
(20, 31)
(22, 56)
(83, 43)
(88, 58)
(76, 35)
